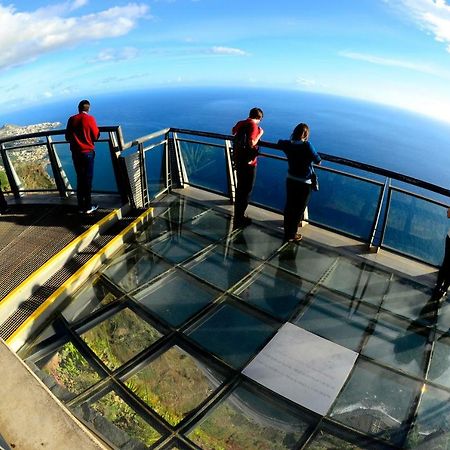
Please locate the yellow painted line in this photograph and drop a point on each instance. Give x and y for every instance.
(96, 259)
(66, 250)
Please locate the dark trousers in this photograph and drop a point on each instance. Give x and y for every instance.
(297, 197)
(84, 167)
(245, 175)
(443, 278)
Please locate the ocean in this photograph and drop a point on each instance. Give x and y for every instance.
(408, 143)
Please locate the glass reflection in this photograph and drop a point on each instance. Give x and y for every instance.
(275, 291)
(222, 267)
(358, 281)
(432, 426)
(338, 319)
(398, 343)
(211, 225)
(406, 298)
(376, 401)
(113, 418)
(176, 248)
(310, 263)
(91, 298)
(134, 268)
(247, 421)
(176, 297)
(121, 337)
(174, 384)
(232, 335)
(256, 242)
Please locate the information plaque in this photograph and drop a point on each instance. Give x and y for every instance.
(303, 367)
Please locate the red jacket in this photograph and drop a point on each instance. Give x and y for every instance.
(82, 132)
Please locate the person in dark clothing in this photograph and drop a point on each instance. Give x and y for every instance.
(300, 155)
(81, 133)
(443, 278)
(245, 149)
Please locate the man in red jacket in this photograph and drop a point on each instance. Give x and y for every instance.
(247, 134)
(81, 133)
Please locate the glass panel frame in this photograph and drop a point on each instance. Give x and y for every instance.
(346, 203)
(205, 165)
(415, 226)
(155, 162)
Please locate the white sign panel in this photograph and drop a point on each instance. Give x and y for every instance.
(303, 367)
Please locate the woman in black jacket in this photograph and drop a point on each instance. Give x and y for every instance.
(300, 155)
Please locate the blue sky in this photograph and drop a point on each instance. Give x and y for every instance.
(395, 52)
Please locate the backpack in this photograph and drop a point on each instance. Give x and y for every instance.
(242, 152)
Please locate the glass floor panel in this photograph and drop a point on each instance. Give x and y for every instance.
(398, 343)
(275, 291)
(406, 298)
(120, 337)
(358, 281)
(212, 225)
(233, 335)
(181, 211)
(151, 350)
(440, 361)
(304, 261)
(432, 427)
(89, 299)
(246, 420)
(69, 370)
(256, 242)
(174, 384)
(134, 268)
(176, 297)
(377, 401)
(111, 416)
(336, 318)
(177, 248)
(222, 267)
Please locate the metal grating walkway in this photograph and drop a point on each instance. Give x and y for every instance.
(29, 237)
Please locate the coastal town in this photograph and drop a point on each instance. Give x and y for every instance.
(35, 153)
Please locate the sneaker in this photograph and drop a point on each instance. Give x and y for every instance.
(91, 209)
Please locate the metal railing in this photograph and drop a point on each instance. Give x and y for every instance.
(355, 199)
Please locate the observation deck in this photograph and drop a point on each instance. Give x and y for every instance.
(159, 326)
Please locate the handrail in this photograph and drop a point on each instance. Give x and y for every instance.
(325, 156)
(338, 160)
(20, 137)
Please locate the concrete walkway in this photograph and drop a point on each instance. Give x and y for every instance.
(31, 417)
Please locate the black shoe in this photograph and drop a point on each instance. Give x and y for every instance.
(242, 223)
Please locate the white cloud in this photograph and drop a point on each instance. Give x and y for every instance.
(379, 60)
(24, 36)
(115, 55)
(228, 51)
(431, 15)
(305, 82)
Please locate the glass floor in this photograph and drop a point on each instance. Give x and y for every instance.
(155, 350)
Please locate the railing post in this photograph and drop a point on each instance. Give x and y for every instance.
(143, 171)
(386, 212)
(231, 172)
(13, 179)
(182, 173)
(121, 178)
(61, 180)
(375, 246)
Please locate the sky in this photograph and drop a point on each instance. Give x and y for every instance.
(394, 52)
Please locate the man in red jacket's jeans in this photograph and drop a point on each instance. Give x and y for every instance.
(81, 133)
